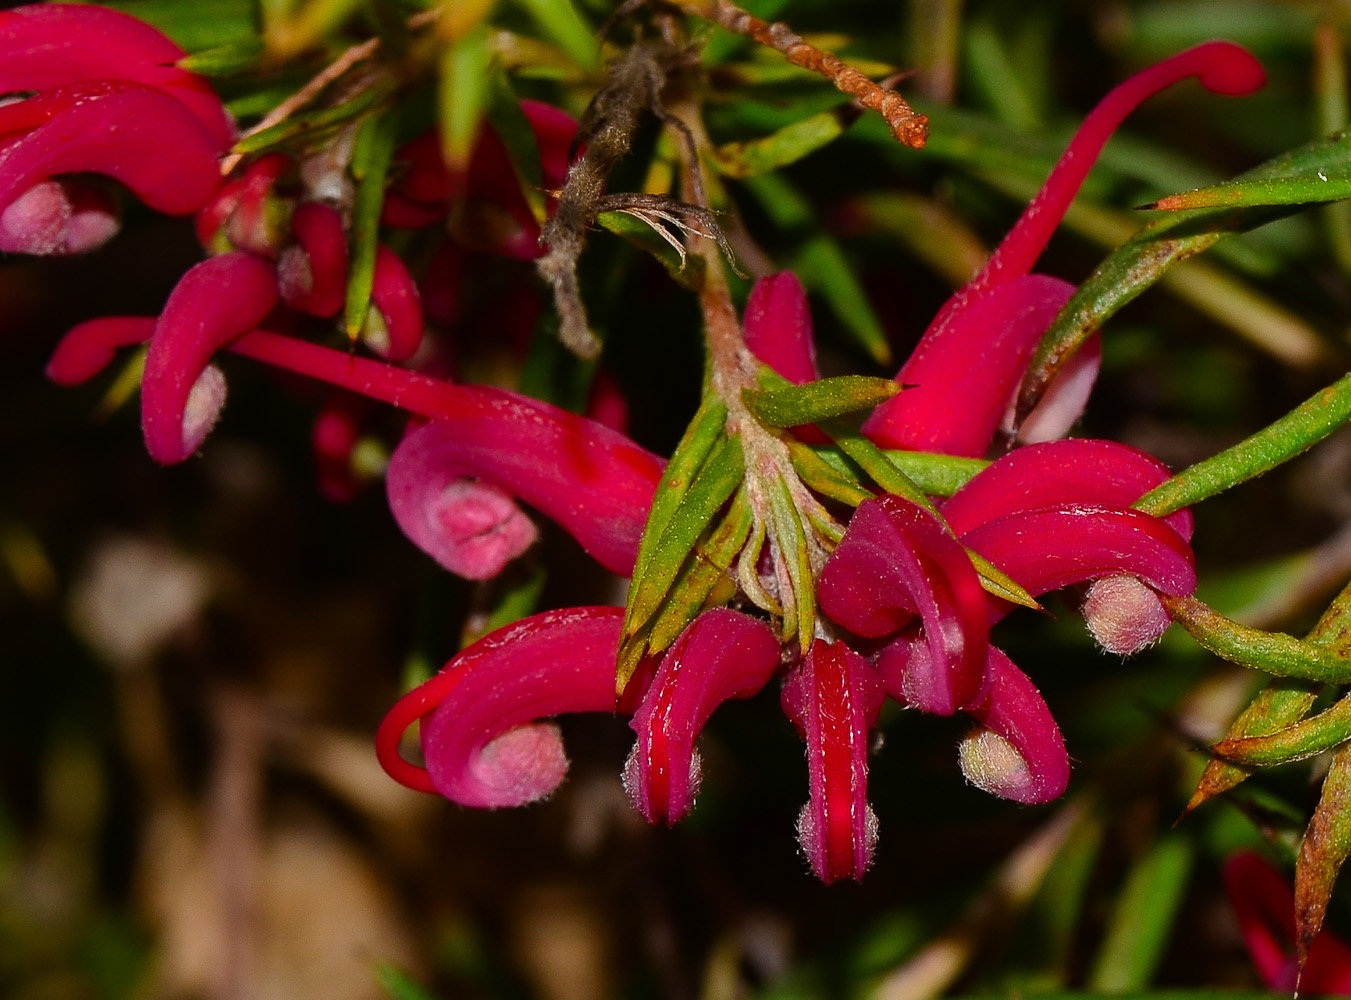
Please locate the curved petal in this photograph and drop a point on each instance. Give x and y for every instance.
(216, 301)
(1051, 547)
(833, 698)
(480, 739)
(894, 557)
(777, 327)
(1081, 470)
(90, 347)
(1220, 67)
(48, 45)
(313, 274)
(133, 134)
(594, 482)
(394, 294)
(966, 369)
(722, 654)
(952, 357)
(1018, 752)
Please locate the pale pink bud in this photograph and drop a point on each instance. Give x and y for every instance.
(1124, 615)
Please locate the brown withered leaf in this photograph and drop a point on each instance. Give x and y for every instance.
(1326, 844)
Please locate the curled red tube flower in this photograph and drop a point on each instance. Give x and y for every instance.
(972, 356)
(833, 697)
(481, 739)
(722, 654)
(896, 561)
(132, 133)
(312, 272)
(44, 46)
(213, 303)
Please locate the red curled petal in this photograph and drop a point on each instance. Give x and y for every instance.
(134, 134)
(395, 294)
(313, 274)
(722, 654)
(778, 327)
(1052, 547)
(1018, 753)
(216, 301)
(482, 744)
(89, 348)
(1221, 67)
(48, 45)
(833, 698)
(967, 367)
(1081, 470)
(895, 557)
(594, 482)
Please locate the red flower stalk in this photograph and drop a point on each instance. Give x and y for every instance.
(967, 365)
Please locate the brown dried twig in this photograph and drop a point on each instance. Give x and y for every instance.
(909, 128)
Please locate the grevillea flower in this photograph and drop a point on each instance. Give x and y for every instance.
(903, 608)
(101, 95)
(1264, 904)
(1048, 516)
(968, 364)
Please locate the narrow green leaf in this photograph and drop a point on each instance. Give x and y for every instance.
(309, 128)
(1320, 186)
(463, 93)
(1300, 429)
(714, 483)
(512, 127)
(1142, 259)
(823, 399)
(1282, 703)
(823, 268)
(874, 463)
(706, 580)
(824, 477)
(1304, 739)
(371, 155)
(799, 614)
(787, 145)
(1273, 652)
(1327, 842)
(704, 432)
(1000, 584)
(878, 467)
(936, 475)
(1141, 923)
(565, 27)
(225, 60)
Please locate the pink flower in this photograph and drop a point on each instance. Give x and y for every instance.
(105, 99)
(967, 366)
(1048, 516)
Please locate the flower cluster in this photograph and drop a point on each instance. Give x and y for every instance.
(906, 598)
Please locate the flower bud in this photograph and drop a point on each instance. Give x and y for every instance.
(1124, 615)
